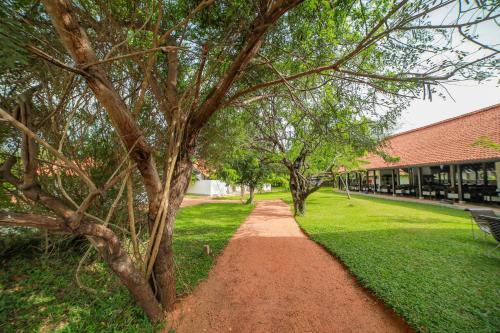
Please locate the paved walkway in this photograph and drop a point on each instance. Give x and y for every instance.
(272, 278)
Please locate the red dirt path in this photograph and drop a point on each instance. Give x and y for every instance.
(272, 278)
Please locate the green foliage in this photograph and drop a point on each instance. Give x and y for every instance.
(246, 170)
(39, 293)
(330, 129)
(227, 145)
(487, 143)
(420, 259)
(12, 52)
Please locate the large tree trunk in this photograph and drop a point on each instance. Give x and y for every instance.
(121, 264)
(164, 269)
(299, 184)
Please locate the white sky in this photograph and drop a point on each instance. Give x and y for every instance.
(469, 96)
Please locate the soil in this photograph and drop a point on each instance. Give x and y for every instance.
(272, 278)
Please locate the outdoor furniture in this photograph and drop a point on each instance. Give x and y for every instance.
(494, 224)
(478, 216)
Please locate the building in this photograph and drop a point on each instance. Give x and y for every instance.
(202, 185)
(439, 161)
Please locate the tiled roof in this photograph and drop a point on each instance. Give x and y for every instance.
(200, 166)
(444, 142)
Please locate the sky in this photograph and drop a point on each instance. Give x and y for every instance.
(468, 96)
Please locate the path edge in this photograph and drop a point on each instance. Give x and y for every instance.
(370, 292)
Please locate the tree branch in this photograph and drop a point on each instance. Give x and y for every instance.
(260, 26)
(77, 43)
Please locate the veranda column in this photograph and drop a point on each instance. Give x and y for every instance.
(360, 182)
(368, 183)
(485, 175)
(460, 193)
(497, 171)
(452, 178)
(419, 181)
(393, 183)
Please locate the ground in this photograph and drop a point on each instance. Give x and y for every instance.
(272, 278)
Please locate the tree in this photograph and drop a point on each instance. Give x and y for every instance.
(226, 146)
(246, 170)
(312, 138)
(145, 78)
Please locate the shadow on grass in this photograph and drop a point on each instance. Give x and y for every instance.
(39, 294)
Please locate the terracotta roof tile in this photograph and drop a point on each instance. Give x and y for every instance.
(448, 141)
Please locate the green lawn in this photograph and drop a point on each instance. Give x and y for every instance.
(273, 195)
(39, 293)
(419, 258)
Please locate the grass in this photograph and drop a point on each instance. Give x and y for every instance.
(420, 259)
(273, 195)
(196, 196)
(38, 293)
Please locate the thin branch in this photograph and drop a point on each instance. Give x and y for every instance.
(54, 151)
(131, 55)
(36, 51)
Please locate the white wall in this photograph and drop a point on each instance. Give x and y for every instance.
(266, 188)
(209, 187)
(217, 188)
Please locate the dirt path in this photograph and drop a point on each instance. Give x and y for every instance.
(271, 278)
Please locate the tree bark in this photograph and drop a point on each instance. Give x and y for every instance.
(252, 194)
(79, 46)
(299, 193)
(164, 268)
(71, 221)
(301, 186)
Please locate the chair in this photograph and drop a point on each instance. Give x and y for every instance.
(478, 216)
(494, 224)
